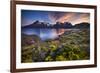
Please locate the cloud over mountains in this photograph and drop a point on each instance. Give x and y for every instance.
(72, 17)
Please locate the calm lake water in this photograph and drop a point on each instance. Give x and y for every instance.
(44, 34)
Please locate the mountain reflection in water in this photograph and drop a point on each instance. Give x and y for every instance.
(44, 33)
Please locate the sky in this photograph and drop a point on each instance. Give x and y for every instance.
(51, 17)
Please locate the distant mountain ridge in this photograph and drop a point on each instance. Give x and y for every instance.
(82, 25)
(38, 24)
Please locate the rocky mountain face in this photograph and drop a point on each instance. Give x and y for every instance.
(38, 24)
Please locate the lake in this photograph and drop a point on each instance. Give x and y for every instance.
(43, 33)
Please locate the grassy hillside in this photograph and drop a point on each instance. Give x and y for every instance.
(72, 45)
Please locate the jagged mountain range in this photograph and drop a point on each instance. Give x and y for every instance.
(38, 24)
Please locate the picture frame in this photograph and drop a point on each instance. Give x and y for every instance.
(18, 65)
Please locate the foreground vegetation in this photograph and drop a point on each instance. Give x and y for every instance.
(72, 45)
